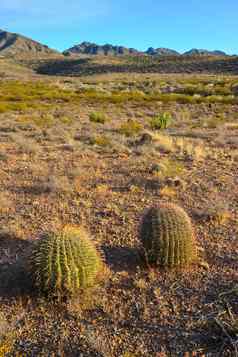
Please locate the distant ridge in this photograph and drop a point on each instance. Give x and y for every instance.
(161, 52)
(200, 52)
(89, 48)
(12, 44)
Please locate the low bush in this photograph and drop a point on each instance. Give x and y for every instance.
(100, 140)
(130, 128)
(97, 117)
(161, 121)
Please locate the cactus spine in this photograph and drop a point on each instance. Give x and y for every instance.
(167, 236)
(63, 263)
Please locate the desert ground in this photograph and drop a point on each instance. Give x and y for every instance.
(87, 150)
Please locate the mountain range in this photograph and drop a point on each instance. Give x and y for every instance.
(12, 44)
(88, 48)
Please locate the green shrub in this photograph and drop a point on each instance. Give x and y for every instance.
(97, 117)
(167, 236)
(161, 121)
(62, 264)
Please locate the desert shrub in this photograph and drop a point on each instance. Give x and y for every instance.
(3, 107)
(167, 236)
(100, 140)
(130, 128)
(214, 122)
(63, 263)
(161, 121)
(169, 168)
(163, 142)
(26, 146)
(218, 213)
(10, 106)
(97, 117)
(20, 96)
(137, 95)
(66, 120)
(179, 98)
(225, 99)
(44, 121)
(53, 184)
(224, 91)
(19, 106)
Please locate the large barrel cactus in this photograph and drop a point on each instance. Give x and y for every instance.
(167, 236)
(64, 263)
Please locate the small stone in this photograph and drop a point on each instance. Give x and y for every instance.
(146, 138)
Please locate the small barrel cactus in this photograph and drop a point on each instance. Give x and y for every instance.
(62, 264)
(167, 236)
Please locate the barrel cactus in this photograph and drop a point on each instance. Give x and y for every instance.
(64, 263)
(167, 236)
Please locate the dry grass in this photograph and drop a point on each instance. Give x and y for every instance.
(130, 128)
(164, 142)
(58, 168)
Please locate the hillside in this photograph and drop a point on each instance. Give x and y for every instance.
(9, 69)
(12, 44)
(136, 64)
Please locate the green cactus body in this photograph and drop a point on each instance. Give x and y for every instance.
(167, 236)
(66, 262)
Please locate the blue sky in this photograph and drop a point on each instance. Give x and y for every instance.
(177, 24)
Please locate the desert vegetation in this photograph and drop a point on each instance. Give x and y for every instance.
(139, 64)
(118, 214)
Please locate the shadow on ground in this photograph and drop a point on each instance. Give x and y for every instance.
(122, 258)
(14, 280)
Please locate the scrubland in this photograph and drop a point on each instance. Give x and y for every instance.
(92, 151)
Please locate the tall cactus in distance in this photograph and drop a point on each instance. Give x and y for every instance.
(64, 263)
(167, 236)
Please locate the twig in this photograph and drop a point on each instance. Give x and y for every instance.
(219, 323)
(234, 290)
